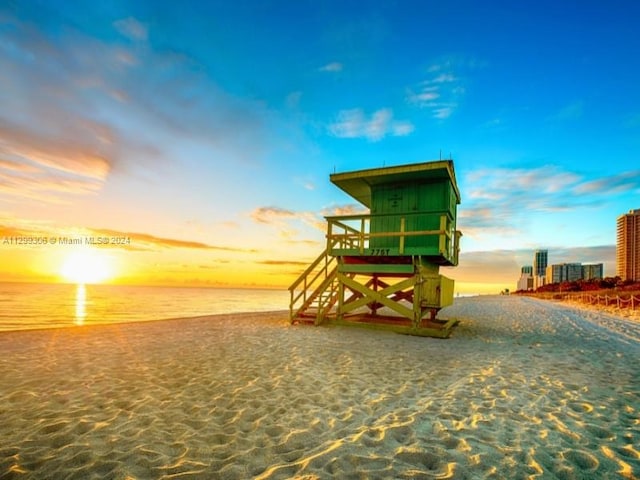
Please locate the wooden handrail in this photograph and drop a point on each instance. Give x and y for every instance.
(308, 270)
(345, 226)
(392, 234)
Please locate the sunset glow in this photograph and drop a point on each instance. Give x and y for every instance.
(127, 129)
(86, 266)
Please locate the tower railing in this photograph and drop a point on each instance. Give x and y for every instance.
(351, 234)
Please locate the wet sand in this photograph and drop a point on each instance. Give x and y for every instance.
(524, 388)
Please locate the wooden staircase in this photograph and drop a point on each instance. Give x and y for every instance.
(315, 292)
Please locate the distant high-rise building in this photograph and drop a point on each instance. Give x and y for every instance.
(574, 272)
(593, 271)
(540, 260)
(564, 272)
(628, 246)
(525, 282)
(554, 274)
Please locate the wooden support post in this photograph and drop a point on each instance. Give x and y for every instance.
(417, 301)
(402, 227)
(442, 236)
(339, 314)
(374, 305)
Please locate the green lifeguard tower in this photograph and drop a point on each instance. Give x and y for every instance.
(381, 269)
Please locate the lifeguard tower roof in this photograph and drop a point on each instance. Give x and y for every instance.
(358, 183)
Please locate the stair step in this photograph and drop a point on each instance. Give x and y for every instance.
(321, 289)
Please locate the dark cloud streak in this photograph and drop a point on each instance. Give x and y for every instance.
(165, 242)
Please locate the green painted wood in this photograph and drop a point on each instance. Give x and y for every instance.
(359, 183)
(375, 268)
(431, 251)
(421, 205)
(408, 198)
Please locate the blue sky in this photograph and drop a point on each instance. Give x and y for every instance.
(208, 130)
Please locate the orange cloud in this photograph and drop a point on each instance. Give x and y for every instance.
(284, 263)
(271, 214)
(62, 154)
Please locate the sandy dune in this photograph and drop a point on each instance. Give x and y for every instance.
(523, 389)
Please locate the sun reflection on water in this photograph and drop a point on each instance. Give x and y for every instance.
(81, 303)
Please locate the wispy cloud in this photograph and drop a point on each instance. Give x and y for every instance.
(501, 200)
(331, 67)
(306, 183)
(280, 263)
(83, 107)
(43, 185)
(623, 182)
(285, 220)
(439, 93)
(270, 215)
(18, 167)
(132, 28)
(355, 123)
(9, 231)
(348, 209)
(496, 183)
(597, 254)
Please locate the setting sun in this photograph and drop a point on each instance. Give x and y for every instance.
(86, 266)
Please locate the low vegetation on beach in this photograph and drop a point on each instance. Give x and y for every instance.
(611, 294)
(608, 285)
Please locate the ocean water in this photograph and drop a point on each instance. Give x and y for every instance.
(25, 306)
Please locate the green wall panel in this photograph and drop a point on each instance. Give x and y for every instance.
(421, 204)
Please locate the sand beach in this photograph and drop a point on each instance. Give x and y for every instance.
(524, 388)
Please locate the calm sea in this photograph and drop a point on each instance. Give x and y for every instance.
(27, 306)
